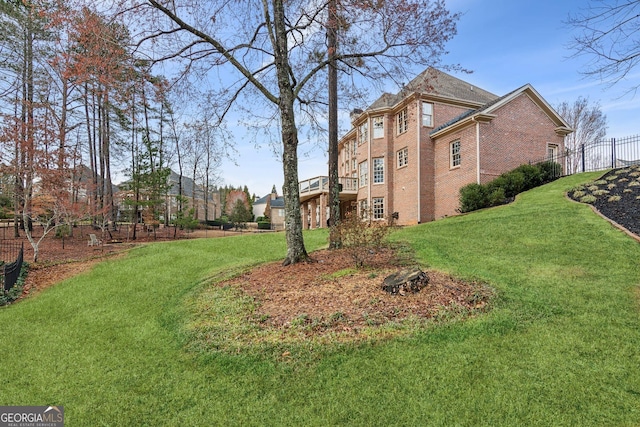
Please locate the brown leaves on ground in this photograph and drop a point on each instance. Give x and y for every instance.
(329, 294)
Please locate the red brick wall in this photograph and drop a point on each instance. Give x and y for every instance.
(519, 134)
(448, 181)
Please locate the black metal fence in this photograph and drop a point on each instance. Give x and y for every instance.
(608, 153)
(11, 257)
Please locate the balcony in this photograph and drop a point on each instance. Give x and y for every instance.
(313, 187)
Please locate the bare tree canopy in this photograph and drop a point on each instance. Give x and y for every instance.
(589, 126)
(608, 33)
(278, 48)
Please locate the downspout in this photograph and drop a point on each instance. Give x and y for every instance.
(477, 152)
(418, 128)
(369, 162)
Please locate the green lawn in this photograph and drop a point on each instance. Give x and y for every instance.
(560, 347)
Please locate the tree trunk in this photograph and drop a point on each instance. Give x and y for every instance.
(334, 183)
(296, 251)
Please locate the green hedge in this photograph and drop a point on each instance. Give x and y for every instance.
(264, 225)
(505, 187)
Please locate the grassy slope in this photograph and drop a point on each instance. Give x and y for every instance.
(560, 347)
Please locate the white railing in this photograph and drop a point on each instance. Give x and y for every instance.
(320, 184)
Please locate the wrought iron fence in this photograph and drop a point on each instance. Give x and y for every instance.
(608, 153)
(11, 258)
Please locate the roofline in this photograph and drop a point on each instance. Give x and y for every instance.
(416, 95)
(535, 97)
(484, 115)
(474, 118)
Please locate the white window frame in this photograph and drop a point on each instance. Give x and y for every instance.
(378, 170)
(363, 173)
(402, 157)
(378, 207)
(455, 155)
(402, 120)
(363, 133)
(363, 208)
(378, 127)
(427, 114)
(552, 152)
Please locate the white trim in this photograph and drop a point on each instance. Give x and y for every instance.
(478, 152)
(370, 161)
(418, 129)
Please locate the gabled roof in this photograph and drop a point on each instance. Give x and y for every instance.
(278, 202)
(438, 84)
(262, 200)
(485, 113)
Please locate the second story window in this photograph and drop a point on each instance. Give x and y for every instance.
(402, 121)
(378, 127)
(455, 158)
(427, 114)
(363, 133)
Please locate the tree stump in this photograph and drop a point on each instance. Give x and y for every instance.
(405, 281)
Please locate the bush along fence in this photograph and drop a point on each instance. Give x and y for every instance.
(11, 260)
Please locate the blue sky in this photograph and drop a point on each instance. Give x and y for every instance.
(506, 43)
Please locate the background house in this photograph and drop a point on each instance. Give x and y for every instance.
(271, 206)
(206, 206)
(411, 152)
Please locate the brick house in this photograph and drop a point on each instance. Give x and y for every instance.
(410, 153)
(271, 206)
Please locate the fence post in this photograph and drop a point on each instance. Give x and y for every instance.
(613, 153)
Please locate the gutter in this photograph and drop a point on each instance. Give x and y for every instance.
(419, 127)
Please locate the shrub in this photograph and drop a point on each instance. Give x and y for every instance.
(360, 237)
(7, 297)
(264, 225)
(507, 186)
(511, 182)
(473, 197)
(549, 171)
(532, 175)
(496, 197)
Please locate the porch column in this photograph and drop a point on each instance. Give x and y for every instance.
(323, 210)
(313, 204)
(304, 213)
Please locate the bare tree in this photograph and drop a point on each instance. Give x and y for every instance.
(589, 126)
(607, 34)
(278, 48)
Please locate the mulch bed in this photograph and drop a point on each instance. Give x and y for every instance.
(330, 294)
(617, 197)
